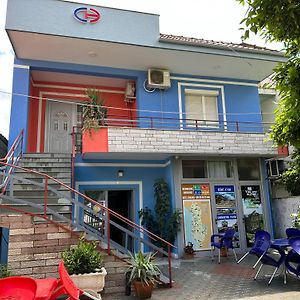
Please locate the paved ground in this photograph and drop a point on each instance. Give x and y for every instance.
(203, 279)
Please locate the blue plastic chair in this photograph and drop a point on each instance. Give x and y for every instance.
(292, 232)
(292, 261)
(224, 240)
(262, 243)
(266, 259)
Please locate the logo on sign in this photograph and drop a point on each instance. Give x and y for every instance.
(86, 15)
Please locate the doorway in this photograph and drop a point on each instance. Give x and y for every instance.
(120, 201)
(61, 117)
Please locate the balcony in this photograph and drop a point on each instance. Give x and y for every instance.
(160, 137)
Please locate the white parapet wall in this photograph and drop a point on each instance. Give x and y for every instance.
(282, 210)
(191, 142)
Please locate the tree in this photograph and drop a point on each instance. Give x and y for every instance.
(279, 20)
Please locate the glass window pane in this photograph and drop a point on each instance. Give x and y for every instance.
(194, 169)
(220, 169)
(248, 169)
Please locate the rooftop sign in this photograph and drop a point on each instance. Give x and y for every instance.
(87, 15)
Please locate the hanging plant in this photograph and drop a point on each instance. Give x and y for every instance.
(94, 113)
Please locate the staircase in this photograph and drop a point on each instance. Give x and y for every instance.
(31, 186)
(42, 191)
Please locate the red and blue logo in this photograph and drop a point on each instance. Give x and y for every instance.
(87, 15)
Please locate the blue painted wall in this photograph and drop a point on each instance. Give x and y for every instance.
(242, 102)
(19, 104)
(146, 175)
(56, 17)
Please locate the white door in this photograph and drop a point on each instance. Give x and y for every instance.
(61, 117)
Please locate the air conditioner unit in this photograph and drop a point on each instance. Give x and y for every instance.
(159, 79)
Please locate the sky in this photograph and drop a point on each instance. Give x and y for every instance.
(208, 19)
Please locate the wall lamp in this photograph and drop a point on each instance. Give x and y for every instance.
(120, 173)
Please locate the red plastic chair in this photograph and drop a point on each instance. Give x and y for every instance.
(51, 289)
(17, 288)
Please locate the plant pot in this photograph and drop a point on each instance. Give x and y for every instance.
(90, 281)
(189, 255)
(224, 252)
(143, 291)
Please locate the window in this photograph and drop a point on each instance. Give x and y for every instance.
(220, 169)
(194, 169)
(201, 108)
(248, 169)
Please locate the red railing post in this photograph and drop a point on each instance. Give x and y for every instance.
(170, 266)
(108, 232)
(46, 196)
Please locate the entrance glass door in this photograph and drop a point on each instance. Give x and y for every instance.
(252, 210)
(226, 210)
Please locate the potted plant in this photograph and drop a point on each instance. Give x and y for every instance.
(94, 112)
(143, 273)
(85, 265)
(189, 250)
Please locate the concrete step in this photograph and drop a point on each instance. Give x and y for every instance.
(41, 180)
(51, 169)
(56, 175)
(50, 199)
(28, 187)
(41, 164)
(39, 193)
(47, 160)
(47, 155)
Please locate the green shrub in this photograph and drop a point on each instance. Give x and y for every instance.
(4, 272)
(84, 258)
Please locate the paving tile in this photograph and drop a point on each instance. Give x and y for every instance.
(202, 279)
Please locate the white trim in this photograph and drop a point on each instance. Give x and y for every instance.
(201, 92)
(66, 87)
(129, 165)
(21, 67)
(214, 81)
(38, 142)
(221, 87)
(180, 105)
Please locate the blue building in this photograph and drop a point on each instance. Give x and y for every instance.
(183, 109)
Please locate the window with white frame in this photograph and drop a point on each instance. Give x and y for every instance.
(201, 108)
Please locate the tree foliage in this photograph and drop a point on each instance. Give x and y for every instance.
(279, 20)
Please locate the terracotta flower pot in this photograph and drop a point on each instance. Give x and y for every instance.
(143, 291)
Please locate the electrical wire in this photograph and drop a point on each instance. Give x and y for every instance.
(125, 109)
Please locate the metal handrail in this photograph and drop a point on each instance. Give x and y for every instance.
(12, 158)
(108, 211)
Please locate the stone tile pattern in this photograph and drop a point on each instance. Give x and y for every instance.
(282, 210)
(202, 279)
(35, 251)
(200, 142)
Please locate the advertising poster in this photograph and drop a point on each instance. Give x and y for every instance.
(226, 209)
(253, 212)
(197, 215)
(225, 196)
